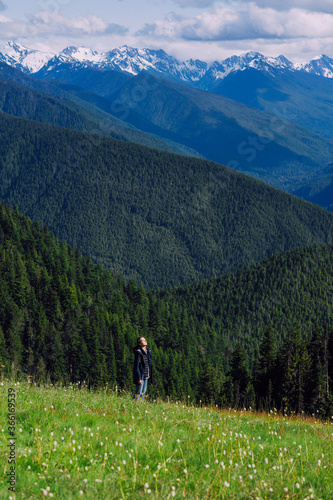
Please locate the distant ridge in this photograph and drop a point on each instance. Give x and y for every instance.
(297, 93)
(134, 60)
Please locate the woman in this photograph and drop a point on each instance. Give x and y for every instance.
(142, 369)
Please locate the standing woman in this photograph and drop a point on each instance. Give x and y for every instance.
(142, 368)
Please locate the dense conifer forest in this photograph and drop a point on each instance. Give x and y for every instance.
(64, 319)
(158, 218)
(294, 286)
(26, 97)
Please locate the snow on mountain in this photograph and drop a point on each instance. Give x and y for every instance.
(194, 69)
(219, 70)
(321, 65)
(80, 54)
(133, 61)
(19, 56)
(136, 60)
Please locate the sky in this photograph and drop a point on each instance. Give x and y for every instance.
(207, 29)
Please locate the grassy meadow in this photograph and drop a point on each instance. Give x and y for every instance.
(72, 443)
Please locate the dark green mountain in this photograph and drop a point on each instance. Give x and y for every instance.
(262, 145)
(23, 96)
(159, 218)
(64, 318)
(320, 189)
(18, 100)
(259, 144)
(296, 286)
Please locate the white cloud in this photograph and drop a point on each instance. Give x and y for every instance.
(311, 5)
(223, 23)
(46, 24)
(204, 29)
(194, 3)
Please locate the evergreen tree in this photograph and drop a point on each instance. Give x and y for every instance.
(63, 318)
(239, 374)
(316, 387)
(295, 364)
(4, 356)
(210, 386)
(267, 368)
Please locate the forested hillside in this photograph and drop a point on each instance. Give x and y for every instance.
(320, 189)
(63, 316)
(64, 319)
(273, 149)
(159, 218)
(276, 142)
(296, 95)
(296, 286)
(26, 97)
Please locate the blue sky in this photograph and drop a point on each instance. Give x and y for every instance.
(207, 29)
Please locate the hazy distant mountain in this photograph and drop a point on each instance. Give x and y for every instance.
(216, 128)
(132, 61)
(301, 92)
(72, 107)
(277, 151)
(305, 98)
(19, 56)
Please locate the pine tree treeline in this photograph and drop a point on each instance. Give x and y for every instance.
(295, 378)
(65, 319)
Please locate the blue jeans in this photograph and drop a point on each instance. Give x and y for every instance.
(140, 389)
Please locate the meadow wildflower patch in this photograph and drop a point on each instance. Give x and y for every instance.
(72, 443)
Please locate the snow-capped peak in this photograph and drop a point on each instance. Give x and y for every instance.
(19, 56)
(129, 59)
(80, 54)
(320, 65)
(133, 60)
(248, 60)
(13, 48)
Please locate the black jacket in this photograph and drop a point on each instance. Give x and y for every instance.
(139, 367)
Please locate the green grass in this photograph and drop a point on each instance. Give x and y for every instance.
(72, 443)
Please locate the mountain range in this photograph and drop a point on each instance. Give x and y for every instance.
(188, 113)
(174, 117)
(133, 61)
(43, 101)
(297, 91)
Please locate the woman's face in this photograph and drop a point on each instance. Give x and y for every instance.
(143, 341)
